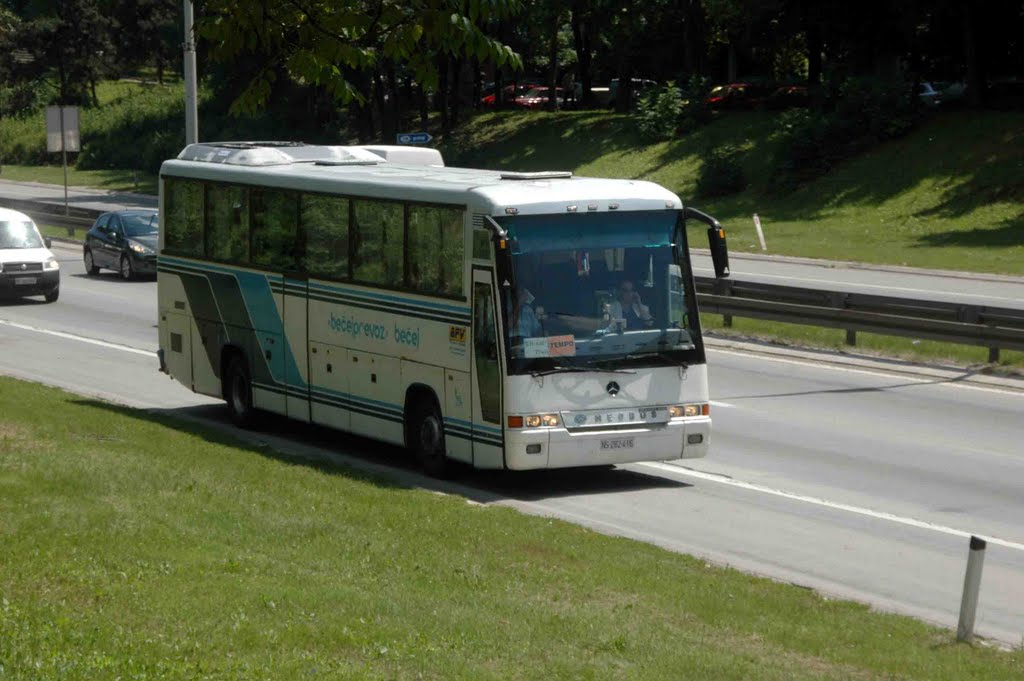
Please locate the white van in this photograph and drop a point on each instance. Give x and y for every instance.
(27, 267)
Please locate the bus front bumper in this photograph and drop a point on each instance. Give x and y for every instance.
(560, 448)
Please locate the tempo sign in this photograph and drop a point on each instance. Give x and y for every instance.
(62, 129)
(414, 137)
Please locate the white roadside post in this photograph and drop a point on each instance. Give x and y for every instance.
(191, 108)
(972, 584)
(760, 232)
(62, 136)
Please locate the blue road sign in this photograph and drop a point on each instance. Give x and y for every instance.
(413, 137)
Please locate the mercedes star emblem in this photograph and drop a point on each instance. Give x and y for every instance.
(612, 388)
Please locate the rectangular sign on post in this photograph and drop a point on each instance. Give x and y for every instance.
(413, 137)
(70, 128)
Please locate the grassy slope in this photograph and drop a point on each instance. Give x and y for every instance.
(951, 195)
(134, 547)
(111, 180)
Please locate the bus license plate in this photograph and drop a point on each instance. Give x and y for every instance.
(24, 281)
(618, 443)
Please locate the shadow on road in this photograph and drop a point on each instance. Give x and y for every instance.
(338, 453)
(841, 391)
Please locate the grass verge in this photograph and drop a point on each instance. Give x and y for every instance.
(78, 233)
(112, 180)
(136, 547)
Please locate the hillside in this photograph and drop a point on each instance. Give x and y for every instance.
(950, 195)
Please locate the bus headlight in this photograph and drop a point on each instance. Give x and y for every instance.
(686, 410)
(535, 421)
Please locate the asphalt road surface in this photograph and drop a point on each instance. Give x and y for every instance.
(862, 480)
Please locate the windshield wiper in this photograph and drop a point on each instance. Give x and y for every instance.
(661, 354)
(559, 370)
(578, 370)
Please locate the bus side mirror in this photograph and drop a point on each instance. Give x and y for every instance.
(719, 251)
(716, 240)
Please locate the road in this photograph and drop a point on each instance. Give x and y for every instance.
(856, 480)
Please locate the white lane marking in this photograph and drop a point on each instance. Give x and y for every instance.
(726, 405)
(947, 381)
(833, 282)
(81, 339)
(879, 515)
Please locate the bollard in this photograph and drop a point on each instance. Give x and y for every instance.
(972, 583)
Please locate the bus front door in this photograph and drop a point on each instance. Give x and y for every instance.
(488, 451)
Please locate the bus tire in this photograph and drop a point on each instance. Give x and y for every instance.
(427, 439)
(238, 392)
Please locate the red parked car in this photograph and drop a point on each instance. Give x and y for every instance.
(538, 97)
(511, 92)
(737, 96)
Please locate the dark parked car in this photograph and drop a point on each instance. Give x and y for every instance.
(124, 241)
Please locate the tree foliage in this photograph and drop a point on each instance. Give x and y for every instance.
(329, 43)
(67, 43)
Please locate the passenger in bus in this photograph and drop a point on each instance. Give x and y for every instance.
(527, 324)
(628, 308)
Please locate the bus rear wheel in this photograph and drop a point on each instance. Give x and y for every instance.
(238, 392)
(427, 440)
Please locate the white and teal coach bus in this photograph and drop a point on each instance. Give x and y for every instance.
(504, 320)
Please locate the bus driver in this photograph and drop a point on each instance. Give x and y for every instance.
(628, 308)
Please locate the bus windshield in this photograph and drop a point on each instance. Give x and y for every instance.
(598, 291)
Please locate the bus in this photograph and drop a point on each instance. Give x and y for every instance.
(503, 320)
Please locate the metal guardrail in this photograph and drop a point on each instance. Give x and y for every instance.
(980, 325)
(53, 214)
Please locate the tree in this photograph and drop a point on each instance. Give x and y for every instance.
(337, 44)
(148, 33)
(67, 44)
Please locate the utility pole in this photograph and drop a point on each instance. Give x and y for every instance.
(191, 108)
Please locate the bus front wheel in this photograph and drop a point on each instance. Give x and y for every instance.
(238, 392)
(427, 439)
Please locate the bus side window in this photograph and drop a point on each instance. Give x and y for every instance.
(452, 252)
(274, 228)
(379, 255)
(227, 223)
(183, 216)
(424, 249)
(325, 221)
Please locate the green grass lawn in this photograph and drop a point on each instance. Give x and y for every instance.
(111, 180)
(137, 547)
(948, 196)
(78, 233)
